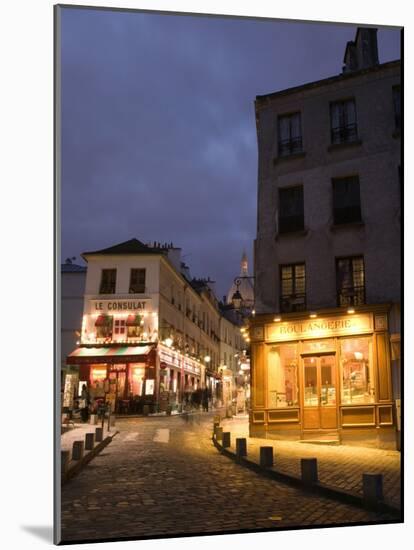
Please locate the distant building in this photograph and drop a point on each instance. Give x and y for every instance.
(73, 278)
(326, 336)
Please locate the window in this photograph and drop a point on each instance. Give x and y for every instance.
(343, 122)
(289, 134)
(119, 326)
(291, 216)
(346, 200)
(108, 281)
(350, 281)
(103, 325)
(282, 376)
(396, 96)
(357, 371)
(292, 288)
(137, 281)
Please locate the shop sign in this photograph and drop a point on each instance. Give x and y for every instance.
(322, 327)
(110, 306)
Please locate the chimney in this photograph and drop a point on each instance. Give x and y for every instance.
(362, 53)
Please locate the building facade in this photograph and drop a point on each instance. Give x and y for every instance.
(325, 338)
(150, 333)
(73, 278)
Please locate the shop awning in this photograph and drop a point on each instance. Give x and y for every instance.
(122, 354)
(103, 320)
(133, 321)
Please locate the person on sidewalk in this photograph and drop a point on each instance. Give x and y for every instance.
(205, 400)
(84, 404)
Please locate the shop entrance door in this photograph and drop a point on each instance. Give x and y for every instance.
(319, 392)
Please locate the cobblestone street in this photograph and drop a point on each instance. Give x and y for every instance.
(162, 476)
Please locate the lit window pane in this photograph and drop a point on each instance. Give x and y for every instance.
(282, 376)
(357, 371)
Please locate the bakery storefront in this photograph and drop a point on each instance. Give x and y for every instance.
(323, 378)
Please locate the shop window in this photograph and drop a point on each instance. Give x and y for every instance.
(136, 380)
(350, 281)
(108, 281)
(343, 122)
(282, 376)
(119, 326)
(97, 379)
(357, 371)
(137, 281)
(291, 210)
(292, 288)
(289, 134)
(134, 326)
(346, 200)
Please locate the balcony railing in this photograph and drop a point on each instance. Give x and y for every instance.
(344, 134)
(293, 302)
(290, 146)
(352, 296)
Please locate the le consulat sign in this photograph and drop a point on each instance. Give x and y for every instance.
(323, 327)
(109, 306)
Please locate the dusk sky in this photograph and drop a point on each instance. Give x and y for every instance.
(158, 126)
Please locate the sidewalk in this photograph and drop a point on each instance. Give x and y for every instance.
(339, 466)
(79, 431)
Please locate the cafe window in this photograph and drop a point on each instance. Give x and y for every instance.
(357, 371)
(292, 288)
(282, 376)
(119, 326)
(108, 281)
(289, 134)
(103, 325)
(350, 280)
(137, 378)
(291, 210)
(134, 326)
(137, 281)
(346, 200)
(343, 122)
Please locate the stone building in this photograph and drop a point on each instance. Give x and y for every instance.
(325, 339)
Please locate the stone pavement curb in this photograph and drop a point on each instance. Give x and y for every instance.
(76, 466)
(319, 488)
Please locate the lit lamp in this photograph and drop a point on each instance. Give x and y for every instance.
(207, 359)
(168, 342)
(237, 299)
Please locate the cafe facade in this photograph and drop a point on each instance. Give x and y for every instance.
(323, 377)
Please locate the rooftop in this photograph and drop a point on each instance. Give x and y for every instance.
(133, 246)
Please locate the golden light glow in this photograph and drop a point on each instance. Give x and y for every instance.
(312, 315)
(277, 319)
(351, 310)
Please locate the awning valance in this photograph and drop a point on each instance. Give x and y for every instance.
(121, 354)
(133, 321)
(103, 321)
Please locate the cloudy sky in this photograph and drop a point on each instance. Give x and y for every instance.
(158, 126)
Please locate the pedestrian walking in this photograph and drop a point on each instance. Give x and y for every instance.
(84, 404)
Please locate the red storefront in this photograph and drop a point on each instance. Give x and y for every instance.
(122, 375)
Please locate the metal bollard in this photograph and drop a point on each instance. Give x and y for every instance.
(93, 419)
(372, 488)
(64, 461)
(266, 457)
(241, 446)
(112, 420)
(89, 441)
(309, 470)
(145, 410)
(98, 434)
(219, 433)
(77, 450)
(226, 439)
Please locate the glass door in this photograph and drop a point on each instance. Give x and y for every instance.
(319, 392)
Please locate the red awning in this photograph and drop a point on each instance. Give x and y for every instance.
(133, 321)
(103, 321)
(118, 354)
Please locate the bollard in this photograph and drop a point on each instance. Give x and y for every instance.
(217, 419)
(93, 419)
(241, 446)
(64, 460)
(266, 457)
(98, 434)
(372, 488)
(77, 450)
(225, 439)
(219, 433)
(145, 410)
(89, 441)
(112, 420)
(309, 470)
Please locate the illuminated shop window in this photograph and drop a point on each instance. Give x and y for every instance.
(119, 326)
(357, 371)
(282, 376)
(97, 381)
(136, 380)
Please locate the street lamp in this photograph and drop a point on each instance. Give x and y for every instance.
(237, 298)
